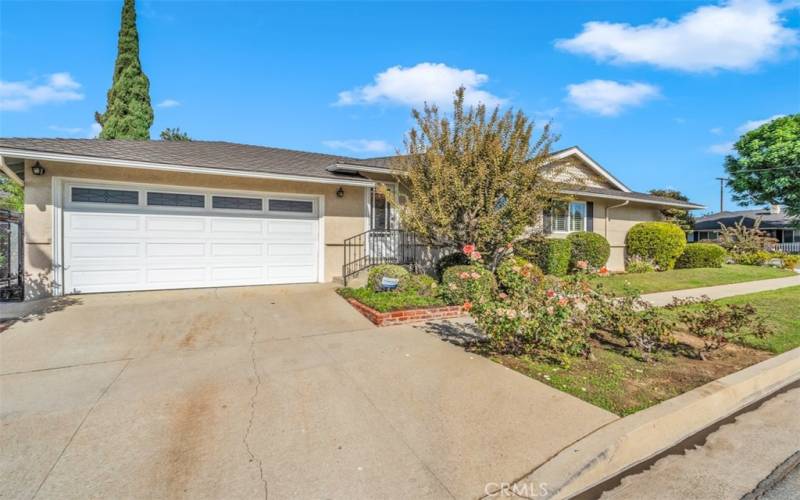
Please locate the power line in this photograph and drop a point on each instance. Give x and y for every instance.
(763, 169)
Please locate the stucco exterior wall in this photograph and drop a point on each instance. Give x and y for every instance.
(343, 217)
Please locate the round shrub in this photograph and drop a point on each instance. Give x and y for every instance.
(421, 284)
(591, 247)
(386, 271)
(662, 242)
(462, 284)
(550, 254)
(758, 258)
(519, 276)
(701, 255)
(450, 260)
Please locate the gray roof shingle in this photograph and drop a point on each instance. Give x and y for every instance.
(747, 217)
(207, 154)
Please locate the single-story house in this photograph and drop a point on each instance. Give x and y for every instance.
(111, 215)
(775, 222)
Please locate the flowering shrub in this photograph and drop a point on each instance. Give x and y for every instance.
(450, 260)
(470, 283)
(518, 276)
(588, 247)
(789, 261)
(550, 321)
(550, 254)
(754, 258)
(634, 321)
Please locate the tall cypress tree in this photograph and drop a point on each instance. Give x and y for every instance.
(129, 114)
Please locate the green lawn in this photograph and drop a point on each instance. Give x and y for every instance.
(780, 309)
(679, 279)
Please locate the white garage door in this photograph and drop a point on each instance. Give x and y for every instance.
(127, 237)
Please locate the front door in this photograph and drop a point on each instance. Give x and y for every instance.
(384, 244)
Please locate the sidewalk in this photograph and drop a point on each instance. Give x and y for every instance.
(722, 291)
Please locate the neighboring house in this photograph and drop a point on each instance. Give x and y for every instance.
(104, 216)
(774, 221)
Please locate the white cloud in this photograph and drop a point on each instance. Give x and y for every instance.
(20, 96)
(360, 145)
(735, 35)
(609, 98)
(716, 130)
(754, 124)
(426, 82)
(723, 148)
(90, 132)
(168, 103)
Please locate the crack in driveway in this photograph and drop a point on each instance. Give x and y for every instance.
(253, 457)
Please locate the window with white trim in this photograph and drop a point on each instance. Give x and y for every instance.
(568, 217)
(236, 203)
(295, 206)
(101, 195)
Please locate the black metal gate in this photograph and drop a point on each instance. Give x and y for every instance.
(11, 256)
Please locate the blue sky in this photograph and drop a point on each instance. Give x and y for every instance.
(654, 91)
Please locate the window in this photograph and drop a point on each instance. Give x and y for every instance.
(236, 203)
(95, 195)
(569, 217)
(298, 206)
(176, 200)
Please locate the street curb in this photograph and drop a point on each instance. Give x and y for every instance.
(776, 477)
(629, 441)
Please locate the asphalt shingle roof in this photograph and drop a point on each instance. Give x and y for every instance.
(207, 154)
(748, 218)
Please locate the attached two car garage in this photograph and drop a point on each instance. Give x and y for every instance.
(123, 237)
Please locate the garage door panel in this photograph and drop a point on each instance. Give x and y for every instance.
(103, 250)
(175, 249)
(244, 227)
(176, 275)
(175, 225)
(113, 277)
(252, 274)
(79, 222)
(112, 248)
(237, 249)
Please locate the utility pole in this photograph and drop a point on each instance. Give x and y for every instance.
(722, 192)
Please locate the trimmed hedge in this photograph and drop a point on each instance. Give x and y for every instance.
(389, 271)
(462, 284)
(663, 242)
(591, 247)
(450, 260)
(701, 255)
(550, 254)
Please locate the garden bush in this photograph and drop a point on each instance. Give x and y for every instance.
(450, 260)
(462, 284)
(421, 284)
(517, 275)
(639, 265)
(790, 261)
(389, 271)
(590, 247)
(756, 258)
(550, 254)
(701, 255)
(719, 324)
(663, 242)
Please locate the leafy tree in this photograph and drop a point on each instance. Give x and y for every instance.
(681, 217)
(12, 195)
(174, 134)
(129, 114)
(474, 177)
(767, 167)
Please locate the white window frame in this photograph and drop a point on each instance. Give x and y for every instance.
(569, 219)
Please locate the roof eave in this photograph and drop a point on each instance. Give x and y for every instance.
(114, 162)
(622, 196)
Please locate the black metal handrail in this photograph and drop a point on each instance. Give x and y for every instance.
(375, 247)
(11, 255)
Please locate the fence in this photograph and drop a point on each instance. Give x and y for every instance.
(787, 247)
(11, 255)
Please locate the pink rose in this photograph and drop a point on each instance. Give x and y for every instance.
(503, 295)
(475, 256)
(475, 275)
(467, 306)
(582, 264)
(464, 275)
(468, 249)
(550, 294)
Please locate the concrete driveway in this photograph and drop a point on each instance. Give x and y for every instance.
(281, 392)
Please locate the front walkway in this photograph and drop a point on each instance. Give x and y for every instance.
(285, 392)
(722, 291)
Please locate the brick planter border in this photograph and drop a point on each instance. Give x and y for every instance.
(405, 315)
